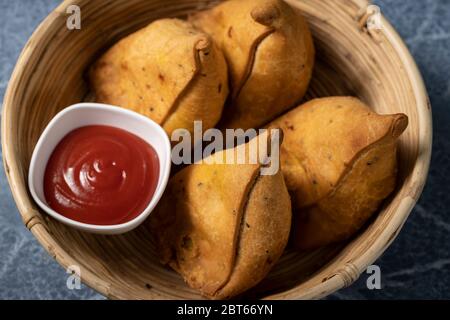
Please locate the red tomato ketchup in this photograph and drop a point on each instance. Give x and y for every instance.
(101, 175)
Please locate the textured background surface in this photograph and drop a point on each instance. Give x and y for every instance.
(417, 265)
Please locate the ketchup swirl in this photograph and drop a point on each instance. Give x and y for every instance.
(101, 175)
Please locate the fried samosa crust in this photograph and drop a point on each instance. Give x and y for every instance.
(168, 71)
(222, 226)
(339, 160)
(270, 53)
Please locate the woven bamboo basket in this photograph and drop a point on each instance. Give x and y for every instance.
(353, 59)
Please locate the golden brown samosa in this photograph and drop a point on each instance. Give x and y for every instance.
(339, 162)
(270, 54)
(222, 226)
(168, 71)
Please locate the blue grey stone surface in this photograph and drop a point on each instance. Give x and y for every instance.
(416, 266)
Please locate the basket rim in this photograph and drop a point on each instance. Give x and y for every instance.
(344, 277)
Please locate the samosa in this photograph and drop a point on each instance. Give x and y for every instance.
(168, 71)
(270, 54)
(222, 226)
(339, 160)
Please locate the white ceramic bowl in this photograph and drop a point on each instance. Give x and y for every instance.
(85, 114)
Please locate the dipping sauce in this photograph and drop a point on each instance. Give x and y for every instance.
(101, 175)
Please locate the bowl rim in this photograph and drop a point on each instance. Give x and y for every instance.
(105, 108)
(343, 277)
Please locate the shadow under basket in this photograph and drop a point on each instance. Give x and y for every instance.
(353, 58)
